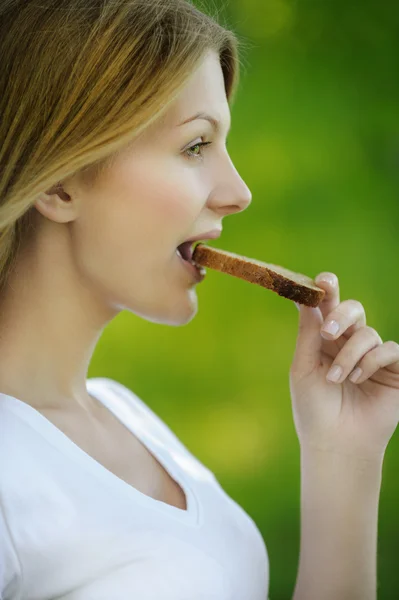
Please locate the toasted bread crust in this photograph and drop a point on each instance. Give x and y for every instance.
(288, 284)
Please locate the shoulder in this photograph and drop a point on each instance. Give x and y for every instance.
(10, 567)
(13, 424)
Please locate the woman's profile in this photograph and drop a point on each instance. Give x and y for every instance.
(115, 116)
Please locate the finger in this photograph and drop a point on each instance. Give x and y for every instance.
(363, 341)
(328, 282)
(381, 356)
(347, 318)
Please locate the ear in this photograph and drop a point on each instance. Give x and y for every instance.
(56, 204)
(59, 189)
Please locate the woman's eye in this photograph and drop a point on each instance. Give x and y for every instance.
(192, 154)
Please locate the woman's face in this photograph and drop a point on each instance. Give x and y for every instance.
(156, 196)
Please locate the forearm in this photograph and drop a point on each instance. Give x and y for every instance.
(339, 515)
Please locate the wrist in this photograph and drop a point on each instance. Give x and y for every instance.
(341, 457)
(334, 472)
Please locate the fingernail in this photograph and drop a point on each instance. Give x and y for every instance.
(327, 279)
(331, 327)
(334, 373)
(356, 374)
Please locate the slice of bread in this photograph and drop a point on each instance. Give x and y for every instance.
(291, 285)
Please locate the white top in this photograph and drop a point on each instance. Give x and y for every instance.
(72, 530)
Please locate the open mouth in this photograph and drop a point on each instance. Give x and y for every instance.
(186, 251)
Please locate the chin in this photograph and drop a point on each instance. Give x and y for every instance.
(175, 312)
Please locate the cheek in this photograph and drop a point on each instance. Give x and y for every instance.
(170, 198)
(130, 229)
(164, 205)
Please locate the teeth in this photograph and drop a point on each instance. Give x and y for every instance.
(178, 253)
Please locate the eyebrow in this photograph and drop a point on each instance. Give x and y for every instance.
(201, 115)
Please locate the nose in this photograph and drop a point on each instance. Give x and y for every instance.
(231, 195)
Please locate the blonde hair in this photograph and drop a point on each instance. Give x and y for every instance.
(80, 80)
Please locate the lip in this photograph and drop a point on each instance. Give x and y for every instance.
(209, 235)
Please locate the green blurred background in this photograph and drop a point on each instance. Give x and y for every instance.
(315, 135)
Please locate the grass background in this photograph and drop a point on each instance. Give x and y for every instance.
(315, 136)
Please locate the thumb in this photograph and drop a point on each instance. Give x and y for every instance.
(309, 341)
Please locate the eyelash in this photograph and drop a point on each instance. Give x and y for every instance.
(200, 144)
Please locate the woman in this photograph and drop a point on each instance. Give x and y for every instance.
(119, 110)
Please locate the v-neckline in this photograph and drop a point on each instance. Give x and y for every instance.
(190, 515)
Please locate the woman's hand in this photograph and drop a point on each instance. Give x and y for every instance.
(356, 419)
